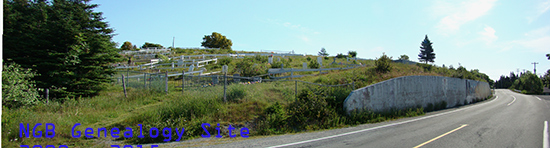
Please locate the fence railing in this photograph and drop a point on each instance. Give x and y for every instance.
(189, 81)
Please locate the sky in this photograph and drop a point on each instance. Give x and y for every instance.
(494, 36)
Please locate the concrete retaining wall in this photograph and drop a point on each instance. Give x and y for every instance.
(412, 91)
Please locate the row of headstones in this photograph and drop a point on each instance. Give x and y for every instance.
(216, 80)
(319, 60)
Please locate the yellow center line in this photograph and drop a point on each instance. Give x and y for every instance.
(431, 140)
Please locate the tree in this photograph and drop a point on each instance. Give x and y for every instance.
(426, 51)
(383, 63)
(405, 57)
(216, 40)
(352, 54)
(127, 46)
(528, 83)
(546, 79)
(548, 56)
(323, 52)
(17, 87)
(65, 42)
(340, 55)
(147, 45)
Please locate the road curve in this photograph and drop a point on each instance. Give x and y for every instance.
(509, 120)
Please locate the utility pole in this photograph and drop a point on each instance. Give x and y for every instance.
(535, 67)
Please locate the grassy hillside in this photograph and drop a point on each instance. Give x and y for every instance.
(265, 108)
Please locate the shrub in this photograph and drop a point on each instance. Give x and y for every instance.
(248, 68)
(308, 58)
(383, 63)
(224, 61)
(311, 110)
(236, 93)
(261, 59)
(340, 55)
(313, 64)
(17, 87)
(163, 58)
(275, 120)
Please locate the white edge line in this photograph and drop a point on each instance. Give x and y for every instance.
(512, 101)
(538, 98)
(545, 135)
(373, 128)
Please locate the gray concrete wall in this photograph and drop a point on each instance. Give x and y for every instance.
(412, 91)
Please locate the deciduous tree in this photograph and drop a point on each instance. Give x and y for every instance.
(147, 45)
(216, 40)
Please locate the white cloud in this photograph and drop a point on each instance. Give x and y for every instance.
(488, 35)
(540, 9)
(537, 40)
(377, 49)
(460, 14)
(291, 26)
(305, 38)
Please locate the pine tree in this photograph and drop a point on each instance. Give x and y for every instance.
(323, 52)
(65, 41)
(426, 51)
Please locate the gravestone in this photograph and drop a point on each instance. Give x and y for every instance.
(278, 59)
(304, 65)
(215, 80)
(320, 61)
(236, 80)
(270, 60)
(191, 67)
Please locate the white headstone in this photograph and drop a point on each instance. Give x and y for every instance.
(320, 61)
(224, 68)
(270, 60)
(304, 65)
(191, 67)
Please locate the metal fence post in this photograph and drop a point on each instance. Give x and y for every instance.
(127, 75)
(182, 80)
(224, 86)
(224, 69)
(166, 81)
(144, 80)
(296, 88)
(48, 95)
(124, 86)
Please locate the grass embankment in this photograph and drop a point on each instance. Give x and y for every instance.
(265, 108)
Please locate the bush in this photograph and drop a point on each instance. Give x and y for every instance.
(236, 93)
(248, 68)
(311, 110)
(17, 87)
(308, 58)
(313, 64)
(224, 61)
(275, 120)
(383, 63)
(163, 58)
(340, 55)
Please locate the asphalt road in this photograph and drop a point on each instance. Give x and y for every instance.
(509, 120)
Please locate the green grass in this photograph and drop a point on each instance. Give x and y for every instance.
(266, 108)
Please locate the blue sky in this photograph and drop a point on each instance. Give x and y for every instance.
(494, 36)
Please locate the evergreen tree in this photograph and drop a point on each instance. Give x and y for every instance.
(426, 51)
(65, 41)
(323, 52)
